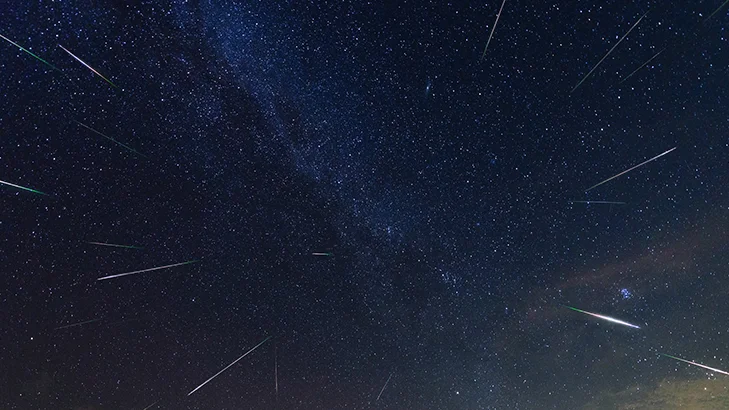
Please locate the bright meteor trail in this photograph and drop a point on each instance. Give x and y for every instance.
(608, 53)
(492, 31)
(22, 187)
(383, 388)
(115, 245)
(40, 59)
(107, 137)
(228, 366)
(609, 319)
(628, 170)
(88, 66)
(322, 254)
(696, 364)
(145, 270)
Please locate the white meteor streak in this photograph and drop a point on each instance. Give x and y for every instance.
(88, 66)
(608, 318)
(628, 170)
(228, 366)
(696, 364)
(144, 270)
(608, 53)
(383, 387)
(492, 31)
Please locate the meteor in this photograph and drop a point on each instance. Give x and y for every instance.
(609, 319)
(88, 66)
(38, 58)
(696, 364)
(145, 270)
(715, 11)
(22, 187)
(107, 137)
(322, 254)
(115, 245)
(642, 65)
(492, 31)
(275, 369)
(628, 170)
(77, 324)
(228, 366)
(150, 406)
(608, 53)
(383, 387)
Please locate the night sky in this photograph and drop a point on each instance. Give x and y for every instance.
(436, 181)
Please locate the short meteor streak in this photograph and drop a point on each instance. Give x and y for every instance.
(115, 245)
(109, 138)
(598, 202)
(608, 53)
(322, 254)
(22, 187)
(492, 31)
(150, 406)
(383, 387)
(628, 170)
(38, 58)
(88, 66)
(641, 66)
(228, 366)
(696, 364)
(609, 319)
(145, 270)
(77, 324)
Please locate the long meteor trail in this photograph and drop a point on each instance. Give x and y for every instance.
(608, 318)
(22, 187)
(492, 31)
(38, 58)
(383, 387)
(109, 138)
(88, 66)
(145, 270)
(228, 366)
(77, 324)
(608, 53)
(630, 169)
(696, 364)
(641, 66)
(322, 254)
(115, 245)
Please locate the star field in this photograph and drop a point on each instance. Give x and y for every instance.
(356, 182)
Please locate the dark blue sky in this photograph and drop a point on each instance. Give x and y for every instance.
(439, 182)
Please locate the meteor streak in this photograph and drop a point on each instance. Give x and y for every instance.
(77, 324)
(150, 406)
(40, 59)
(145, 270)
(275, 369)
(608, 53)
(228, 366)
(107, 137)
(115, 245)
(715, 11)
(598, 202)
(322, 254)
(383, 387)
(642, 65)
(609, 319)
(628, 170)
(22, 187)
(492, 31)
(88, 66)
(696, 364)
